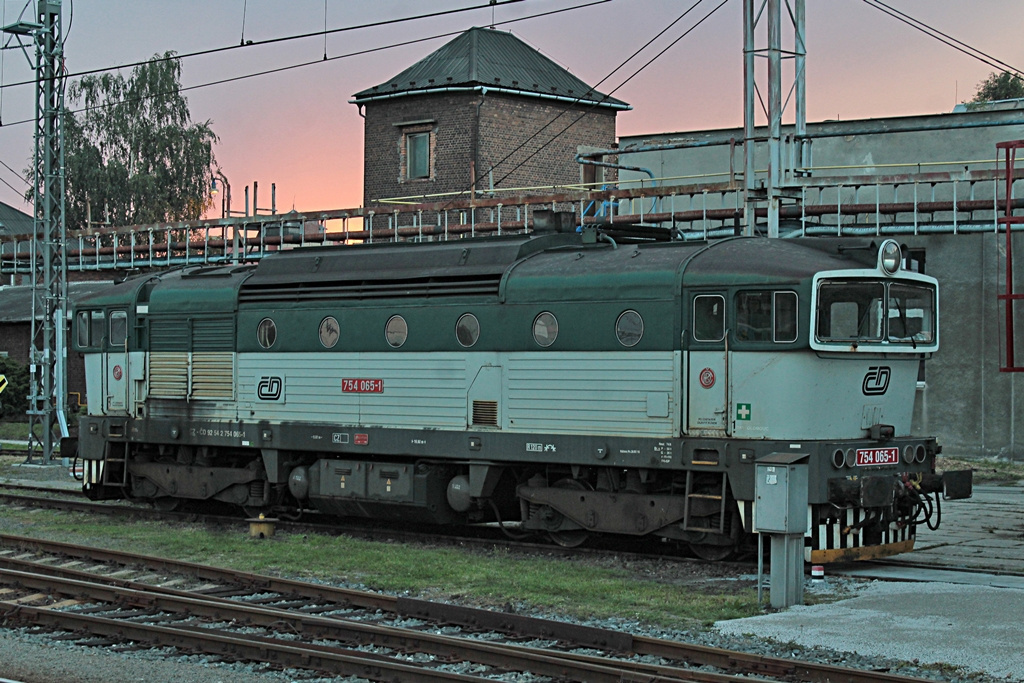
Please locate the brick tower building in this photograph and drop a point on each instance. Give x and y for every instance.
(484, 108)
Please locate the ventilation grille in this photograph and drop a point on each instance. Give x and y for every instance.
(169, 335)
(373, 289)
(485, 413)
(213, 335)
(192, 334)
(211, 376)
(168, 375)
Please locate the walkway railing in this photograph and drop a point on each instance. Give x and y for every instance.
(924, 203)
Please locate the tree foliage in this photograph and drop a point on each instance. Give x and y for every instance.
(132, 150)
(14, 400)
(999, 86)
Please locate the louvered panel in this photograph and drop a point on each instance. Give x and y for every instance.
(213, 334)
(168, 375)
(485, 413)
(213, 376)
(486, 284)
(169, 334)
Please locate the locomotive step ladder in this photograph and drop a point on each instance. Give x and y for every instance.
(115, 464)
(691, 496)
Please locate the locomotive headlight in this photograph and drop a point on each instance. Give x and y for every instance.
(890, 257)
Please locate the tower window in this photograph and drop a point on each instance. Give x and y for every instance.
(417, 155)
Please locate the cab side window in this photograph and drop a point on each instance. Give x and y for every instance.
(118, 328)
(785, 317)
(708, 318)
(91, 327)
(754, 316)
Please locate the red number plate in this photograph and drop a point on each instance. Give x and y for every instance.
(878, 456)
(362, 386)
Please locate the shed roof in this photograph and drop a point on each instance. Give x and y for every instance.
(14, 222)
(495, 60)
(16, 301)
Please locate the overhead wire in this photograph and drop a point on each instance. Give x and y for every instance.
(19, 176)
(299, 65)
(590, 107)
(878, 4)
(281, 39)
(945, 38)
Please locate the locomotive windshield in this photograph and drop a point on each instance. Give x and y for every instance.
(865, 311)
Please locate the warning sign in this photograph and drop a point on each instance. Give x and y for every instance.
(3, 383)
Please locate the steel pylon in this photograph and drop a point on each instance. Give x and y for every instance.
(47, 390)
(786, 158)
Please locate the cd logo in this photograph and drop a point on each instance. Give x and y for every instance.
(269, 388)
(876, 382)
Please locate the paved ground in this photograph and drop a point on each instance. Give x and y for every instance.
(984, 532)
(919, 606)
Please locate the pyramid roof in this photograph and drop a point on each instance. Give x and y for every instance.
(483, 58)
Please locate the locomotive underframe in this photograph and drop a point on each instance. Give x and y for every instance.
(698, 491)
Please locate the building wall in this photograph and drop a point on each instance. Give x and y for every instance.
(15, 340)
(973, 408)
(451, 120)
(473, 132)
(534, 142)
(881, 147)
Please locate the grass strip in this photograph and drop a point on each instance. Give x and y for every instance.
(576, 587)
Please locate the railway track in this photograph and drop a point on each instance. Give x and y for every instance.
(13, 494)
(483, 536)
(118, 597)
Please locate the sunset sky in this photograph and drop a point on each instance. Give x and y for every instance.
(296, 128)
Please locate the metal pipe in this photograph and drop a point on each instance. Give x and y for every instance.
(749, 76)
(580, 159)
(774, 115)
(800, 61)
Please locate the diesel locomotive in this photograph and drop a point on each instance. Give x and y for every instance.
(562, 383)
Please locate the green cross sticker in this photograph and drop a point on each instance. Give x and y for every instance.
(743, 411)
(3, 383)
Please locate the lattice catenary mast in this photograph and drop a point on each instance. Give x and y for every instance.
(47, 388)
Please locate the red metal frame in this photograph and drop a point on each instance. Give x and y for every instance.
(1008, 219)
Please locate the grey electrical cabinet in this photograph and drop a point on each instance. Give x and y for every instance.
(780, 494)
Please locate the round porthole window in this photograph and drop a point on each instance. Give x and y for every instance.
(266, 333)
(545, 329)
(396, 331)
(467, 330)
(330, 332)
(629, 328)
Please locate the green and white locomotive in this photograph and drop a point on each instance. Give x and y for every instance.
(562, 381)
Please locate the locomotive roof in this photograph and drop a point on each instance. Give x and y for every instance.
(544, 267)
(548, 267)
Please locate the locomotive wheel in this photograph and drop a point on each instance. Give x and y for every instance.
(166, 504)
(712, 552)
(570, 538)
